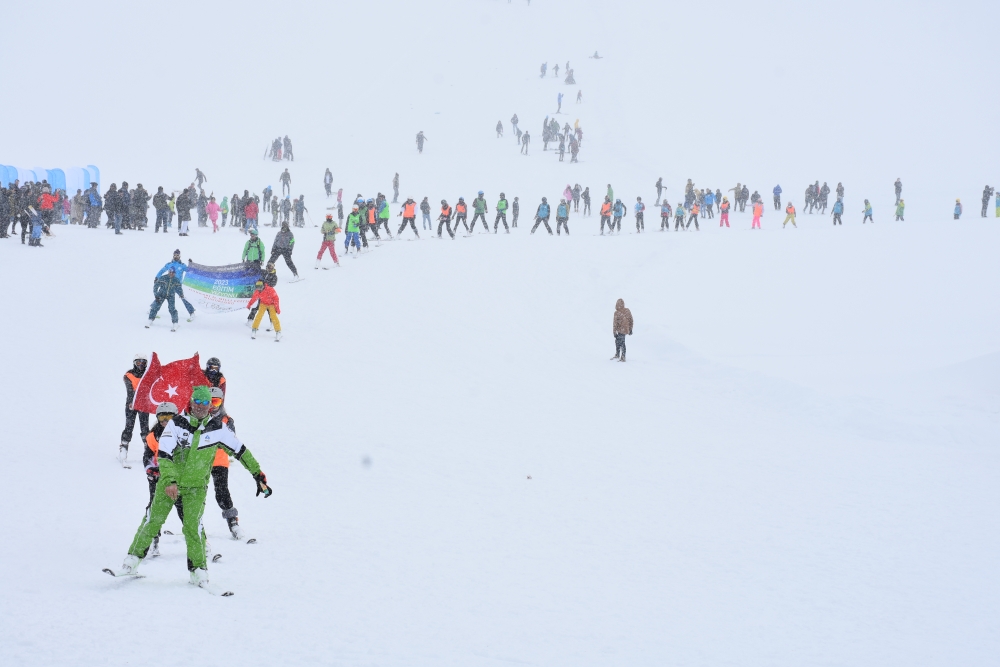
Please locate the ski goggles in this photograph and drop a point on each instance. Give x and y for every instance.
(165, 416)
(216, 402)
(197, 401)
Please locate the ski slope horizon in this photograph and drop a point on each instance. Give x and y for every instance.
(796, 466)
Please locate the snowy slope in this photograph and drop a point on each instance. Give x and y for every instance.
(795, 467)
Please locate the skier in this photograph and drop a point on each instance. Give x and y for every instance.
(708, 203)
(212, 209)
(163, 210)
(327, 185)
(479, 212)
(224, 210)
(284, 243)
(266, 194)
(579, 96)
(679, 218)
(665, 214)
(179, 270)
(562, 216)
(987, 194)
(585, 196)
(621, 326)
(275, 211)
(958, 209)
(184, 206)
(559, 99)
(353, 227)
(640, 209)
(501, 215)
(542, 216)
(899, 211)
(425, 211)
(555, 70)
(186, 450)
(515, 209)
(693, 217)
(395, 188)
(462, 214)
(606, 216)
(868, 213)
(619, 212)
(777, 197)
(513, 122)
(409, 215)
(300, 211)
(163, 290)
(659, 189)
(837, 211)
(420, 141)
(758, 211)
(577, 190)
(131, 380)
(525, 140)
(250, 213)
(996, 202)
(898, 187)
(270, 304)
(444, 219)
(545, 67)
(789, 215)
(724, 212)
(329, 231)
(840, 190)
(286, 182)
(95, 206)
(220, 465)
(288, 149)
(499, 129)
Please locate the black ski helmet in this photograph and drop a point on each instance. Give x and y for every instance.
(213, 361)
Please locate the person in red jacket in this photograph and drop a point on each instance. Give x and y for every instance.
(46, 206)
(250, 215)
(268, 299)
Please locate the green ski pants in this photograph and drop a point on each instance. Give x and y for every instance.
(193, 499)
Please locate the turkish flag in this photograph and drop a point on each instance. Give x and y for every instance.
(173, 382)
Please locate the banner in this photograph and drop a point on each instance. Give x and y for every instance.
(220, 289)
(173, 382)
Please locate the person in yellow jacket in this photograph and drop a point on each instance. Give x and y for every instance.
(789, 216)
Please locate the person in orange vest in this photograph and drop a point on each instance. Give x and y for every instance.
(462, 214)
(694, 216)
(789, 216)
(724, 212)
(445, 219)
(758, 210)
(606, 215)
(409, 215)
(131, 379)
(269, 302)
(220, 468)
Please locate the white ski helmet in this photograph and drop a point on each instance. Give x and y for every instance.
(139, 356)
(166, 408)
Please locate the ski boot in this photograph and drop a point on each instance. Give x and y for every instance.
(253, 333)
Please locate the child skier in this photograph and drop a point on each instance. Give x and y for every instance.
(665, 214)
(899, 210)
(640, 209)
(268, 302)
(868, 213)
(789, 215)
(724, 212)
(329, 231)
(958, 209)
(837, 211)
(562, 216)
(353, 228)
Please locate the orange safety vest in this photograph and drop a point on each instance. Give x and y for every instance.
(606, 208)
(695, 209)
(460, 208)
(446, 211)
(371, 216)
(790, 210)
(133, 379)
(758, 209)
(725, 207)
(409, 210)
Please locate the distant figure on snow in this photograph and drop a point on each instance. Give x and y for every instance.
(621, 326)
(499, 129)
(420, 141)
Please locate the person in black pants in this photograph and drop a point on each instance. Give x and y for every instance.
(283, 244)
(131, 378)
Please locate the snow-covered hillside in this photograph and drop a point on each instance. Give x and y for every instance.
(796, 466)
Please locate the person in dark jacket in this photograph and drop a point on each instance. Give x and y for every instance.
(284, 243)
(111, 206)
(131, 379)
(184, 206)
(140, 202)
(621, 326)
(95, 205)
(162, 207)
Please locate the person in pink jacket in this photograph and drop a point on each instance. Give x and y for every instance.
(213, 208)
(568, 193)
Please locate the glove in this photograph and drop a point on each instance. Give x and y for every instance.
(262, 486)
(152, 474)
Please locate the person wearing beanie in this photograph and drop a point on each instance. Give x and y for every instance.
(186, 450)
(329, 231)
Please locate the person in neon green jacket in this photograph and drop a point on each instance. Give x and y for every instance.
(186, 453)
(253, 250)
(353, 227)
(900, 207)
(224, 209)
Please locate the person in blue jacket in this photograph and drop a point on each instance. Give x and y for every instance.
(868, 213)
(163, 290)
(958, 209)
(665, 214)
(640, 209)
(709, 203)
(179, 270)
(542, 216)
(562, 216)
(777, 198)
(838, 210)
(619, 213)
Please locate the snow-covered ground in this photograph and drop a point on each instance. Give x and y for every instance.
(796, 466)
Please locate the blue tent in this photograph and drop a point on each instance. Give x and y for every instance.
(95, 175)
(41, 174)
(4, 179)
(57, 179)
(77, 178)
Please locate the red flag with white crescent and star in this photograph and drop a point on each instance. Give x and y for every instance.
(173, 382)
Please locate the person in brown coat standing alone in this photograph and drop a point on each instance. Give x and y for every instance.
(620, 327)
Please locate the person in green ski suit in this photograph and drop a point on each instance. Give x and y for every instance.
(501, 214)
(253, 250)
(353, 227)
(187, 450)
(900, 207)
(479, 212)
(224, 209)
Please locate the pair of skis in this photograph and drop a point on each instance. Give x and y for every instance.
(205, 586)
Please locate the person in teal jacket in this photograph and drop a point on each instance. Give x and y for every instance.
(998, 203)
(838, 210)
(562, 217)
(187, 448)
(899, 210)
(502, 213)
(868, 213)
(958, 209)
